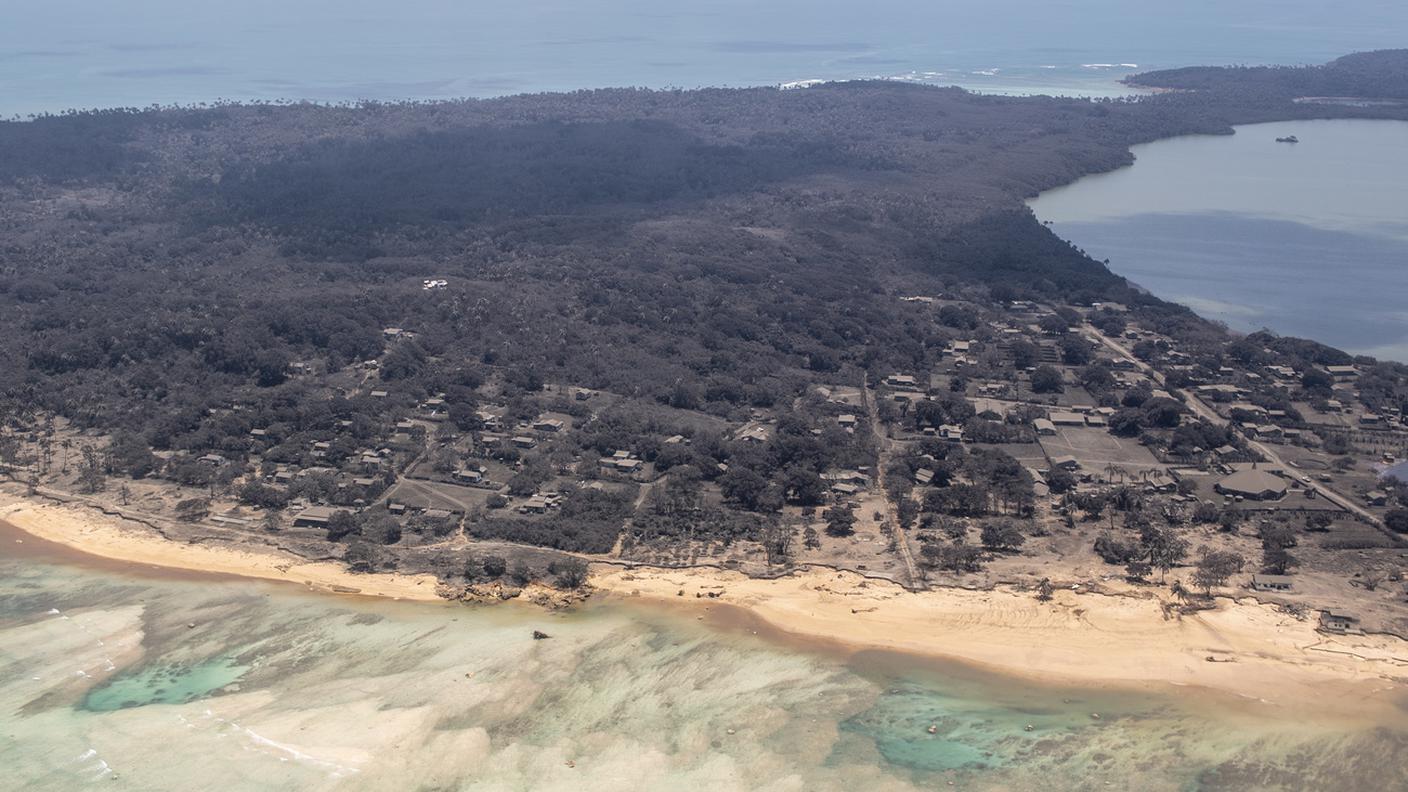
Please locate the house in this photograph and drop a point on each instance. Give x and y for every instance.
(1268, 432)
(468, 476)
(313, 517)
(524, 442)
(1271, 583)
(902, 382)
(754, 435)
(923, 477)
(1044, 427)
(845, 490)
(848, 477)
(213, 460)
(378, 394)
(1066, 462)
(846, 421)
(1342, 373)
(1096, 420)
(548, 425)
(1061, 418)
(258, 433)
(1253, 484)
(534, 505)
(1338, 622)
(951, 432)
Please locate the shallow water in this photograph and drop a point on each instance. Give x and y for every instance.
(156, 684)
(1306, 239)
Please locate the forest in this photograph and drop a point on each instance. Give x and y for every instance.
(1367, 75)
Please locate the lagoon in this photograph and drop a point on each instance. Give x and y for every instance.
(1307, 239)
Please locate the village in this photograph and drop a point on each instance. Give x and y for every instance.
(1029, 444)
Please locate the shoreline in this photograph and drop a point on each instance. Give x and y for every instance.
(103, 537)
(1120, 639)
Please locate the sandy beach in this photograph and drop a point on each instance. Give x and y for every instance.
(112, 538)
(1256, 651)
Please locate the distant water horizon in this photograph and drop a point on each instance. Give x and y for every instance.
(1307, 239)
(68, 54)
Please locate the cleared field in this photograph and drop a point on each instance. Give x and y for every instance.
(1096, 448)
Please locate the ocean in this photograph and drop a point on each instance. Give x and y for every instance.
(1307, 239)
(64, 54)
(177, 682)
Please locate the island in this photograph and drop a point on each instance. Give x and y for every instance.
(766, 348)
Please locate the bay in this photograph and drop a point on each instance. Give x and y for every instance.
(1307, 239)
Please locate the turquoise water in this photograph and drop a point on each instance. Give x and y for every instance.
(1309, 239)
(104, 680)
(95, 53)
(165, 684)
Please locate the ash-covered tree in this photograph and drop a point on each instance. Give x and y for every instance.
(568, 573)
(840, 520)
(340, 525)
(1002, 535)
(1215, 567)
(1047, 379)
